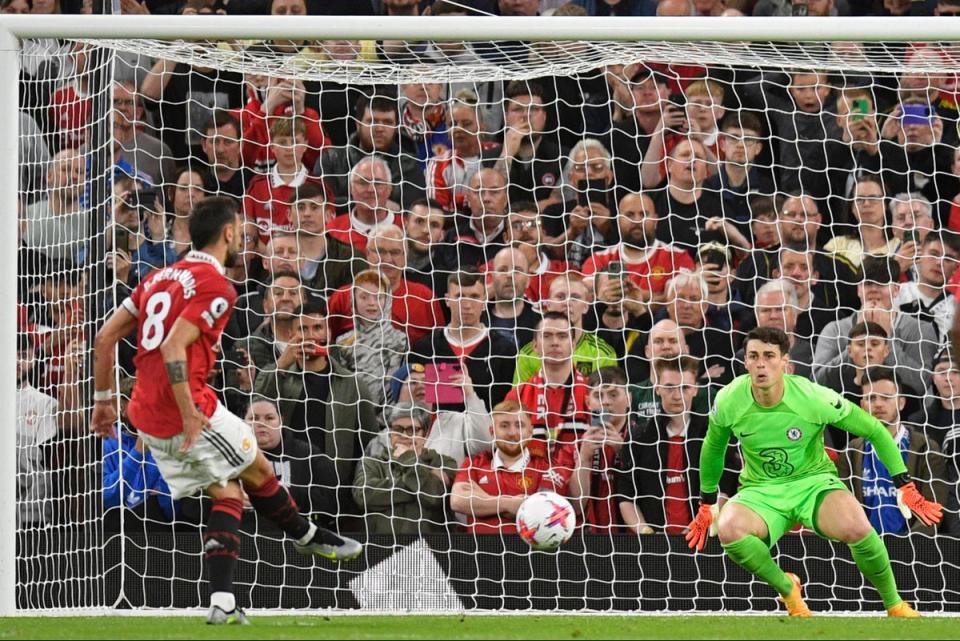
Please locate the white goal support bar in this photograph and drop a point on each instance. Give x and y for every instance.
(14, 28)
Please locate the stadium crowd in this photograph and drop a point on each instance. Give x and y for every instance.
(454, 295)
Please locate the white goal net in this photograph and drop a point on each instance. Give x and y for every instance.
(427, 223)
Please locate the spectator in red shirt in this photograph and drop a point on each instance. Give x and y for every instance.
(370, 183)
(267, 200)
(658, 475)
(524, 231)
(490, 487)
(651, 263)
(556, 396)
(415, 309)
(283, 98)
(70, 104)
(600, 447)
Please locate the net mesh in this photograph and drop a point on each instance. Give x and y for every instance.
(664, 197)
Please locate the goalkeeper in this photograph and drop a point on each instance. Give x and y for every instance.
(788, 478)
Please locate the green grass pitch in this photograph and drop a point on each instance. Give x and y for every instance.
(266, 628)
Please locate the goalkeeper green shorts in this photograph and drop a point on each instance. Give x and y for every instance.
(783, 505)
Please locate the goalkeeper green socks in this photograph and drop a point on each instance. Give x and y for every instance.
(753, 555)
(872, 559)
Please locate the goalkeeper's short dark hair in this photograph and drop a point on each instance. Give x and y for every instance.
(771, 336)
(208, 219)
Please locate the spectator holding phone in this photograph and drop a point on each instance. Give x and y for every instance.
(600, 447)
(467, 343)
(491, 486)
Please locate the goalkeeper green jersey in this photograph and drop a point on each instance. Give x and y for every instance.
(590, 354)
(785, 443)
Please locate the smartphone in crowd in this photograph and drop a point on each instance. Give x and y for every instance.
(439, 386)
(916, 115)
(592, 191)
(859, 108)
(910, 235)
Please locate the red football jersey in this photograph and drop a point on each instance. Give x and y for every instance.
(267, 200)
(660, 264)
(415, 311)
(535, 476)
(557, 412)
(196, 290)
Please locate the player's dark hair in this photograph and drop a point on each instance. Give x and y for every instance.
(878, 373)
(608, 376)
(871, 329)
(208, 219)
(553, 316)
(771, 336)
(880, 270)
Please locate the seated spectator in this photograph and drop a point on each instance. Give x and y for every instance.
(490, 487)
(763, 227)
(328, 263)
(689, 214)
(131, 477)
(58, 224)
(857, 149)
(448, 173)
(370, 209)
(666, 341)
(221, 147)
(569, 296)
(70, 105)
(870, 481)
(941, 412)
(725, 310)
(586, 220)
(556, 395)
(870, 235)
(510, 315)
(478, 235)
(378, 135)
(414, 308)
(776, 307)
(739, 175)
(687, 304)
(423, 227)
(649, 262)
(136, 153)
(268, 196)
(658, 477)
(270, 345)
(600, 448)
(524, 232)
(139, 220)
(318, 393)
(423, 118)
(405, 490)
(374, 348)
(914, 342)
(467, 344)
(530, 157)
(282, 98)
(927, 297)
(459, 435)
(309, 476)
(818, 299)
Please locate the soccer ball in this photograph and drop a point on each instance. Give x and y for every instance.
(546, 520)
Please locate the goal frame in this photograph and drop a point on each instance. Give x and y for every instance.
(13, 28)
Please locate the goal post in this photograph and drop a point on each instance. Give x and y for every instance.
(733, 43)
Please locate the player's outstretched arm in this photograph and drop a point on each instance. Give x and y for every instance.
(909, 499)
(174, 352)
(712, 458)
(120, 324)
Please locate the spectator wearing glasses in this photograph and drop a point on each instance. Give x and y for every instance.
(404, 491)
(870, 234)
(370, 206)
(136, 153)
(477, 235)
(869, 480)
(525, 233)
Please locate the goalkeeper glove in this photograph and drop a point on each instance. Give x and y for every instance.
(911, 502)
(703, 524)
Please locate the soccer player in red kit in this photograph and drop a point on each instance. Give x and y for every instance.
(179, 313)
